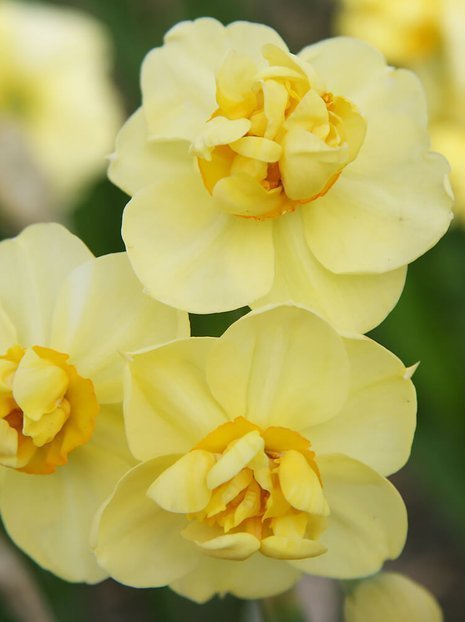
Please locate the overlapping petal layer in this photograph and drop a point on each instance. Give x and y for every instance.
(246, 485)
(310, 177)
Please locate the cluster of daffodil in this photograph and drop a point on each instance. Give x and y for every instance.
(427, 36)
(302, 186)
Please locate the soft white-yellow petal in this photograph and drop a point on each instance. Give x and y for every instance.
(190, 255)
(137, 542)
(103, 313)
(351, 302)
(392, 203)
(138, 161)
(256, 577)
(280, 366)
(168, 404)
(367, 524)
(40, 259)
(377, 423)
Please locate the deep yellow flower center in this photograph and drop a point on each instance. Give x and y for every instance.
(46, 409)
(246, 489)
(278, 138)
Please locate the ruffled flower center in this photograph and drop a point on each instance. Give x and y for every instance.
(246, 489)
(278, 138)
(46, 409)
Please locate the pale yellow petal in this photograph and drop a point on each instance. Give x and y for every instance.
(56, 511)
(357, 302)
(34, 267)
(280, 366)
(300, 484)
(256, 577)
(235, 459)
(347, 65)
(138, 543)
(38, 385)
(168, 405)
(308, 163)
(241, 195)
(8, 336)
(291, 548)
(231, 546)
(367, 524)
(390, 596)
(190, 255)
(249, 38)
(182, 487)
(138, 161)
(178, 79)
(377, 423)
(392, 203)
(103, 313)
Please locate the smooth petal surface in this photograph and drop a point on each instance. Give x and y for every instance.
(139, 161)
(377, 423)
(137, 542)
(232, 546)
(393, 202)
(56, 532)
(34, 267)
(355, 303)
(182, 487)
(256, 577)
(348, 65)
(178, 79)
(367, 524)
(7, 331)
(390, 596)
(190, 255)
(168, 405)
(104, 297)
(280, 366)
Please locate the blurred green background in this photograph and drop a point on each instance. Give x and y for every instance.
(428, 325)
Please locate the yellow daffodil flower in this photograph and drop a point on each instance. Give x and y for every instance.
(390, 597)
(260, 176)
(58, 110)
(429, 37)
(66, 318)
(264, 455)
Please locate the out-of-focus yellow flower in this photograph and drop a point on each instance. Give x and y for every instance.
(58, 111)
(65, 319)
(390, 597)
(429, 37)
(264, 454)
(260, 176)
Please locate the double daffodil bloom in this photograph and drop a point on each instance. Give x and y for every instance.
(429, 37)
(65, 320)
(264, 455)
(390, 596)
(260, 176)
(59, 112)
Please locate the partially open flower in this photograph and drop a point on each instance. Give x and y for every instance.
(264, 454)
(390, 596)
(259, 175)
(66, 318)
